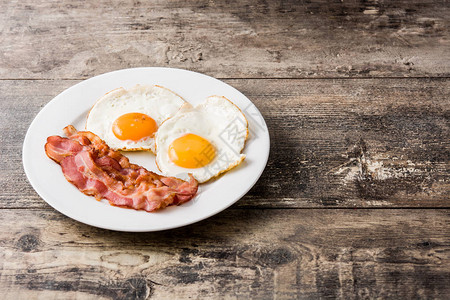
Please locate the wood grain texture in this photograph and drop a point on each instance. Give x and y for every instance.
(226, 39)
(335, 143)
(354, 201)
(238, 254)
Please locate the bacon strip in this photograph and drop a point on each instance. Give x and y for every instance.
(96, 170)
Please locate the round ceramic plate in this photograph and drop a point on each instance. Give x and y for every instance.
(72, 106)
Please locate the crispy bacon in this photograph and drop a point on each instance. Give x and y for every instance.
(96, 170)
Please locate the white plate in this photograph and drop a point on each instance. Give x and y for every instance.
(72, 106)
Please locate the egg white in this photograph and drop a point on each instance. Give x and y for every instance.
(217, 120)
(155, 101)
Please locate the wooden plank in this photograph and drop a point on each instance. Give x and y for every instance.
(240, 253)
(335, 143)
(362, 143)
(237, 39)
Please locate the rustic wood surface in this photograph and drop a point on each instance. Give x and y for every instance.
(240, 253)
(226, 39)
(335, 142)
(354, 202)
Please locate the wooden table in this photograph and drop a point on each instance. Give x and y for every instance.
(353, 202)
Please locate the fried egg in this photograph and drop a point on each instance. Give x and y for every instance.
(205, 140)
(128, 119)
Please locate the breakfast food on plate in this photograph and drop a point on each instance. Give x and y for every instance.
(128, 119)
(97, 170)
(204, 141)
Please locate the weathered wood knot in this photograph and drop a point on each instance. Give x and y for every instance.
(276, 257)
(27, 243)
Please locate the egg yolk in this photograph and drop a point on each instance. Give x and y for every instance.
(134, 126)
(191, 151)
